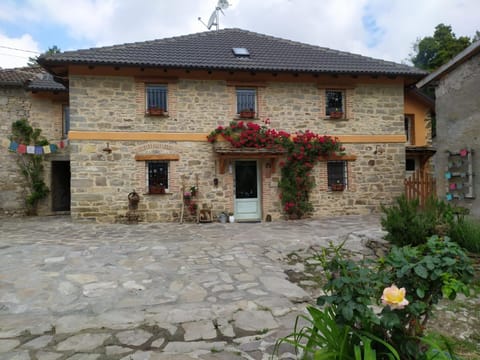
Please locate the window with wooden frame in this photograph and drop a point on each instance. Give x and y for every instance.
(337, 175)
(156, 99)
(246, 102)
(335, 103)
(157, 176)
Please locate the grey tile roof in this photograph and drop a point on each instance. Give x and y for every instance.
(213, 50)
(32, 78)
(45, 82)
(18, 76)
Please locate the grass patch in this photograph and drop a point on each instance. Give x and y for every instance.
(463, 348)
(467, 234)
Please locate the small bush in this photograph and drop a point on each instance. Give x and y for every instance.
(467, 234)
(427, 273)
(409, 224)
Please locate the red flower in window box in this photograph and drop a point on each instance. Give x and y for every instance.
(154, 111)
(336, 114)
(247, 114)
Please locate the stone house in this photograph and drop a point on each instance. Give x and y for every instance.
(31, 93)
(140, 114)
(457, 108)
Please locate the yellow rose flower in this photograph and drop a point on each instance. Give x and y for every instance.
(394, 297)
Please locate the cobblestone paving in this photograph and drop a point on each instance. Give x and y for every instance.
(84, 291)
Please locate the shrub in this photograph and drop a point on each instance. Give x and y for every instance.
(409, 224)
(467, 233)
(426, 273)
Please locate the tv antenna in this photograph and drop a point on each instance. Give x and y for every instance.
(215, 17)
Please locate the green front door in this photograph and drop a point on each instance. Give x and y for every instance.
(247, 191)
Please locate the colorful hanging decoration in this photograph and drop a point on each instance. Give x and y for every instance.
(448, 175)
(13, 146)
(463, 152)
(453, 186)
(449, 197)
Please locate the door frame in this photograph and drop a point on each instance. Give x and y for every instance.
(258, 215)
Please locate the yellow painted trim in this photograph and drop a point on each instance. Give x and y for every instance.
(201, 137)
(141, 136)
(368, 139)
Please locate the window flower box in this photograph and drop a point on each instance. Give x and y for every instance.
(156, 112)
(156, 189)
(338, 187)
(336, 115)
(247, 114)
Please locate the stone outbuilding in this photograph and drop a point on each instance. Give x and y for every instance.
(31, 93)
(457, 107)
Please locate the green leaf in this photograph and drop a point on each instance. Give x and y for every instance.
(421, 271)
(420, 293)
(347, 312)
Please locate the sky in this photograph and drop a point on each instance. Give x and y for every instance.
(383, 29)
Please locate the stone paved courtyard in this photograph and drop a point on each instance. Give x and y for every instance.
(84, 291)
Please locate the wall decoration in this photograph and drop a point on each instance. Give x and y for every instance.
(459, 175)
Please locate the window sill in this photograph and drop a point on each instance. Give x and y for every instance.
(336, 119)
(238, 118)
(165, 115)
(155, 194)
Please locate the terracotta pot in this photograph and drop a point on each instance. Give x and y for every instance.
(336, 115)
(155, 111)
(338, 187)
(156, 190)
(247, 114)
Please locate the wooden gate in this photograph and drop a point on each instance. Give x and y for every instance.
(420, 186)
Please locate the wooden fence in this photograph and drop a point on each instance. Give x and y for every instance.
(420, 186)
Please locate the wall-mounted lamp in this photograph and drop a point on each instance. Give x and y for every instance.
(107, 149)
(215, 182)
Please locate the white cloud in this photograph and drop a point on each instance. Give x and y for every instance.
(10, 58)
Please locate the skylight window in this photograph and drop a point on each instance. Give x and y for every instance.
(241, 52)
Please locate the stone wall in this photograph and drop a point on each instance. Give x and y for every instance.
(14, 105)
(42, 112)
(458, 124)
(102, 181)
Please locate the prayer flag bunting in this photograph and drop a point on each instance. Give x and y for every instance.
(46, 149)
(13, 146)
(30, 149)
(38, 150)
(22, 149)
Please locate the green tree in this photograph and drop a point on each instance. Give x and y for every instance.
(32, 61)
(431, 52)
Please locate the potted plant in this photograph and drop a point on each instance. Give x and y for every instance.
(231, 217)
(247, 114)
(336, 114)
(155, 111)
(222, 217)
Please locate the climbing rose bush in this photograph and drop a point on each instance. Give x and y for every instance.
(303, 150)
